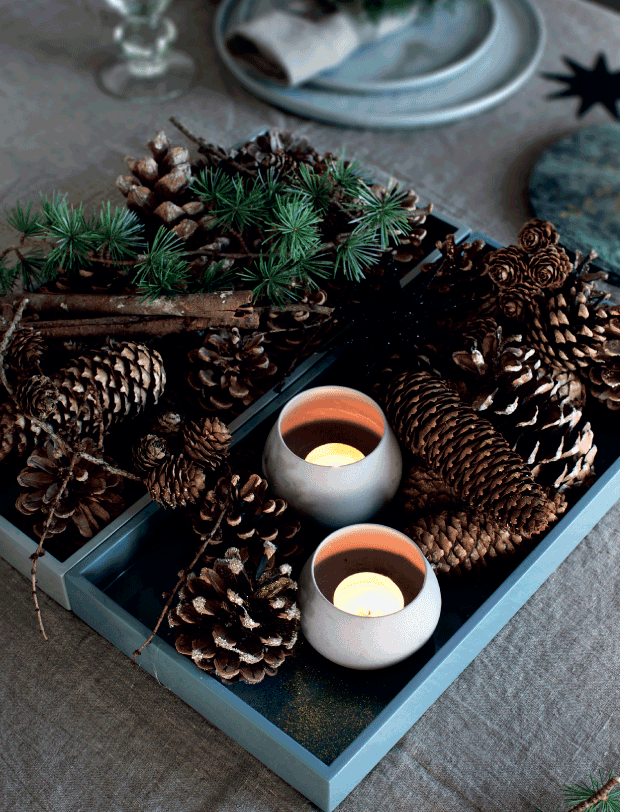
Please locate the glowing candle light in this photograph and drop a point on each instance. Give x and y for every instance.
(368, 594)
(334, 454)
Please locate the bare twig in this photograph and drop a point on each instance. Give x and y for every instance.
(195, 138)
(40, 551)
(6, 340)
(598, 797)
(179, 583)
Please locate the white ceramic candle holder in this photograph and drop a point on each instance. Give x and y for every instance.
(333, 495)
(363, 642)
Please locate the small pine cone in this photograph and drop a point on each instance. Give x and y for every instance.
(26, 351)
(238, 620)
(548, 268)
(516, 303)
(206, 441)
(38, 396)
(507, 267)
(252, 517)
(294, 335)
(149, 452)
(16, 434)
(536, 235)
(177, 482)
(91, 498)
(465, 450)
(230, 371)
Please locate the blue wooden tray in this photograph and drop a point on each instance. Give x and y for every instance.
(317, 725)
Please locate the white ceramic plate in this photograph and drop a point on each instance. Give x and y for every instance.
(515, 49)
(437, 46)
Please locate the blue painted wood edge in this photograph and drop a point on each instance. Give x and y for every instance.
(206, 695)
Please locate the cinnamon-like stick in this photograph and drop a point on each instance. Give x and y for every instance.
(200, 305)
(125, 326)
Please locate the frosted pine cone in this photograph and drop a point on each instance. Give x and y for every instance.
(238, 620)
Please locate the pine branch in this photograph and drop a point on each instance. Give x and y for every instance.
(599, 795)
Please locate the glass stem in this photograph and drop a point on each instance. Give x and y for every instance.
(144, 42)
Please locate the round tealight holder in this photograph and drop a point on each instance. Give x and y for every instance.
(357, 464)
(372, 555)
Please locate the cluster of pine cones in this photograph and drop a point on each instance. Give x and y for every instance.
(60, 419)
(493, 414)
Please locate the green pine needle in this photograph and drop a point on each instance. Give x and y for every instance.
(272, 278)
(383, 214)
(314, 187)
(8, 275)
(163, 272)
(118, 232)
(74, 241)
(295, 228)
(211, 185)
(23, 220)
(215, 277)
(347, 177)
(357, 253)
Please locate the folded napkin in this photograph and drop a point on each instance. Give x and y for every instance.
(290, 47)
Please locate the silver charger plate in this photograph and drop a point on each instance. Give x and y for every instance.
(516, 46)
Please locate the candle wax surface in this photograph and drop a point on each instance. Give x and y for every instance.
(334, 454)
(368, 594)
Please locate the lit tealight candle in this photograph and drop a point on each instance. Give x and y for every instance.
(334, 454)
(368, 594)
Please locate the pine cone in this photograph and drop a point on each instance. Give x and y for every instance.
(96, 390)
(176, 482)
(291, 336)
(230, 371)
(149, 452)
(466, 451)
(548, 268)
(252, 517)
(538, 412)
(91, 498)
(16, 431)
(507, 267)
(236, 619)
(206, 441)
(537, 234)
(423, 491)
(25, 353)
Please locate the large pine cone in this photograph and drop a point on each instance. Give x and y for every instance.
(236, 619)
(230, 371)
(91, 498)
(466, 451)
(538, 411)
(96, 390)
(25, 353)
(252, 517)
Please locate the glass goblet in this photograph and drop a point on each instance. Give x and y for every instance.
(148, 70)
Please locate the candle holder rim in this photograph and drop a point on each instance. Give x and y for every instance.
(383, 439)
(373, 525)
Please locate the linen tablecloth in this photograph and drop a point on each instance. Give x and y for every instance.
(81, 730)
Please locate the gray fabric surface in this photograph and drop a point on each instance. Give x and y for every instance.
(80, 728)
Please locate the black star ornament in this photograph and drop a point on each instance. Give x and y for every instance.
(594, 86)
